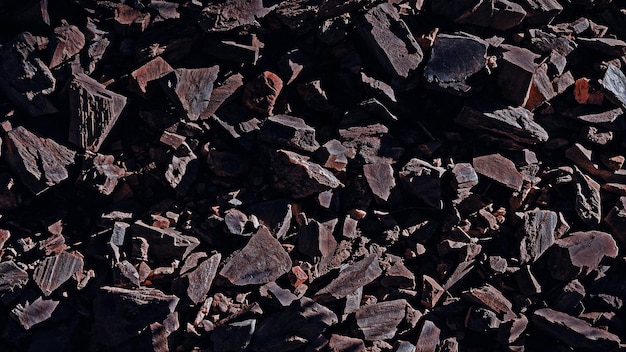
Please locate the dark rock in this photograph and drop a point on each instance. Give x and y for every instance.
(616, 220)
(576, 255)
(499, 169)
(231, 15)
(261, 93)
(423, 180)
(233, 336)
(34, 313)
(380, 321)
(66, 42)
(190, 89)
(12, 281)
(165, 244)
(340, 343)
(289, 131)
(141, 79)
(537, 234)
(55, 271)
(357, 275)
(588, 200)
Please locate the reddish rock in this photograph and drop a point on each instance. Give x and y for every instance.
(499, 169)
(261, 93)
(576, 255)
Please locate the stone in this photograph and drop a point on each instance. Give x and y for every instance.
(262, 260)
(223, 94)
(56, 270)
(423, 181)
(541, 12)
(142, 79)
(506, 15)
(516, 70)
(431, 292)
(12, 281)
(537, 234)
(588, 202)
(165, 244)
(316, 239)
(380, 180)
(398, 275)
(380, 321)
(190, 89)
(481, 320)
(429, 337)
(455, 58)
(127, 20)
(31, 314)
(340, 343)
(500, 170)
(101, 174)
(356, 275)
(511, 330)
(615, 220)
(199, 280)
(261, 93)
(492, 299)
(614, 86)
(66, 42)
(334, 155)
(289, 131)
(233, 336)
(231, 15)
(231, 51)
(576, 255)
(574, 332)
(94, 111)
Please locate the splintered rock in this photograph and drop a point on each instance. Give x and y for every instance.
(455, 58)
(380, 179)
(588, 199)
(499, 169)
(101, 174)
(492, 299)
(289, 131)
(574, 332)
(537, 234)
(94, 112)
(262, 260)
(515, 123)
(12, 281)
(198, 281)
(390, 40)
(121, 314)
(54, 271)
(616, 220)
(423, 180)
(576, 255)
(380, 321)
(230, 15)
(24, 79)
(149, 73)
(66, 42)
(40, 163)
(190, 89)
(351, 278)
(614, 86)
(33, 313)
(165, 243)
(299, 177)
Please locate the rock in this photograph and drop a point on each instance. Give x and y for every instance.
(403, 346)
(380, 179)
(165, 244)
(121, 314)
(537, 234)
(481, 320)
(66, 42)
(541, 12)
(380, 321)
(398, 275)
(574, 332)
(334, 155)
(101, 174)
(190, 89)
(34, 313)
(261, 93)
(492, 299)
(127, 20)
(274, 214)
(588, 199)
(231, 15)
(606, 46)
(40, 163)
(314, 96)
(453, 60)
(340, 343)
(423, 180)
(292, 64)
(182, 170)
(431, 292)
(316, 239)
(289, 131)
(429, 337)
(98, 44)
(299, 177)
(616, 220)
(55, 271)
(516, 123)
(584, 93)
(198, 281)
(576, 255)
(569, 298)
(262, 260)
(541, 88)
(94, 112)
(516, 71)
(12, 281)
(223, 94)
(506, 15)
(233, 336)
(357, 275)
(499, 169)
(24, 79)
(390, 40)
(141, 80)
(232, 51)
(511, 330)
(586, 114)
(301, 15)
(614, 86)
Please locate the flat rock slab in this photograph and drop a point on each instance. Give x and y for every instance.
(423, 180)
(357, 275)
(380, 179)
(492, 299)
(516, 123)
(148, 73)
(574, 332)
(391, 41)
(198, 281)
(121, 314)
(614, 86)
(34, 313)
(190, 89)
(537, 234)
(262, 260)
(380, 321)
(165, 244)
(576, 255)
(40, 163)
(289, 131)
(454, 58)
(499, 169)
(55, 271)
(66, 42)
(94, 112)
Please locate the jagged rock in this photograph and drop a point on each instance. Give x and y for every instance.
(423, 180)
(431, 292)
(614, 86)
(233, 336)
(66, 42)
(231, 15)
(55, 271)
(576, 255)
(588, 200)
(289, 131)
(356, 275)
(223, 94)
(12, 281)
(380, 321)
(190, 89)
(141, 79)
(198, 281)
(537, 234)
(499, 169)
(165, 244)
(261, 93)
(380, 179)
(340, 343)
(33, 313)
(429, 337)
(101, 174)
(492, 299)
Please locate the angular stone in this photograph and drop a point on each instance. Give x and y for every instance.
(541, 89)
(490, 298)
(55, 271)
(182, 170)
(574, 332)
(301, 15)
(356, 275)
(314, 96)
(614, 86)
(223, 94)
(165, 244)
(537, 234)
(149, 73)
(616, 220)
(199, 280)
(98, 44)
(261, 93)
(297, 176)
(380, 88)
(231, 51)
(429, 337)
(589, 115)
(398, 275)
(423, 180)
(262, 260)
(585, 93)
(316, 239)
(516, 123)
(340, 343)
(231, 15)
(606, 46)
(511, 330)
(101, 174)
(66, 42)
(481, 320)
(588, 200)
(292, 64)
(541, 12)
(233, 336)
(506, 15)
(289, 131)
(576, 255)
(516, 70)
(380, 321)
(94, 112)
(390, 40)
(127, 20)
(453, 60)
(334, 155)
(274, 214)
(499, 169)
(190, 89)
(24, 79)
(40, 163)
(121, 314)
(12, 281)
(431, 292)
(34, 313)
(380, 179)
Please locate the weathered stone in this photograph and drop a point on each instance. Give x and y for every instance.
(541, 12)
(127, 20)
(499, 169)
(149, 73)
(340, 343)
(55, 271)
(101, 174)
(380, 321)
(429, 337)
(233, 336)
(380, 179)
(588, 200)
(576, 255)
(289, 131)
(66, 42)
(223, 94)
(614, 86)
(511, 330)
(537, 234)
(262, 260)
(231, 15)
(198, 281)
(261, 93)
(517, 68)
(12, 281)
(490, 298)
(481, 320)
(356, 275)
(423, 180)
